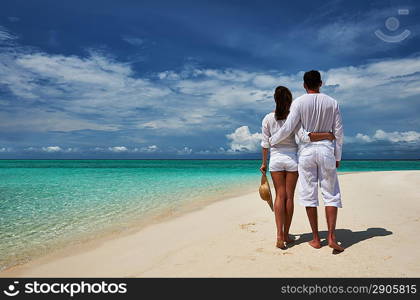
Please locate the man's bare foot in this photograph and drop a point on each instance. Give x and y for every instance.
(315, 243)
(335, 246)
(289, 239)
(280, 244)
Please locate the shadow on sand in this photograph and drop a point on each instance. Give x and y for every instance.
(346, 237)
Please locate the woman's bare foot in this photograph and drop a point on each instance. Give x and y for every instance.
(315, 243)
(335, 246)
(280, 244)
(289, 239)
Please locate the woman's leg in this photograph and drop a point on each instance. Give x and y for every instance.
(279, 180)
(291, 179)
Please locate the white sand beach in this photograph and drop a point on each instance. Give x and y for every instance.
(378, 225)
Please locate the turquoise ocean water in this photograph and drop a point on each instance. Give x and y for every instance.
(48, 204)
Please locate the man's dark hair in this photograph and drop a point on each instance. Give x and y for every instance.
(312, 79)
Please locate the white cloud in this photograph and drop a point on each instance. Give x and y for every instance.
(115, 149)
(219, 150)
(343, 33)
(353, 33)
(5, 35)
(5, 149)
(150, 148)
(243, 140)
(397, 137)
(135, 41)
(204, 152)
(118, 149)
(96, 69)
(170, 75)
(30, 149)
(173, 122)
(52, 149)
(363, 138)
(36, 119)
(393, 137)
(185, 150)
(266, 81)
(233, 75)
(71, 87)
(377, 83)
(235, 96)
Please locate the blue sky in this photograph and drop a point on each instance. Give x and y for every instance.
(193, 79)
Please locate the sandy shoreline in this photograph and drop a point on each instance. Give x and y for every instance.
(235, 238)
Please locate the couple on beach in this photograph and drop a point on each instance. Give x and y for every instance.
(305, 139)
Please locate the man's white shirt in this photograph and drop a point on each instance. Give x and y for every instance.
(314, 113)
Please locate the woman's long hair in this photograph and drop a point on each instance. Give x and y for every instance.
(283, 98)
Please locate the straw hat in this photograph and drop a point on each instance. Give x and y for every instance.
(265, 192)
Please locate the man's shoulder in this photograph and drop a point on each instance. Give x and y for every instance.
(329, 98)
(304, 98)
(299, 100)
(307, 99)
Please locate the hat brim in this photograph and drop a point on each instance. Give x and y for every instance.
(270, 201)
(264, 181)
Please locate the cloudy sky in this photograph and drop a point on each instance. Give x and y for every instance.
(193, 79)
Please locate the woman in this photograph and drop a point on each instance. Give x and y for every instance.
(283, 162)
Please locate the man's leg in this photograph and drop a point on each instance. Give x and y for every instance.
(331, 214)
(313, 220)
(308, 190)
(330, 192)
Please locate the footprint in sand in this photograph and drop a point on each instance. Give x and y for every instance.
(248, 227)
(284, 253)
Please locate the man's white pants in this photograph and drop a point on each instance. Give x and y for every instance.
(317, 165)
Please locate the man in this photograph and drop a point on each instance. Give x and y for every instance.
(317, 112)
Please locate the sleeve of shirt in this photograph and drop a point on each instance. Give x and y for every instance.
(338, 133)
(292, 122)
(265, 134)
(301, 135)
